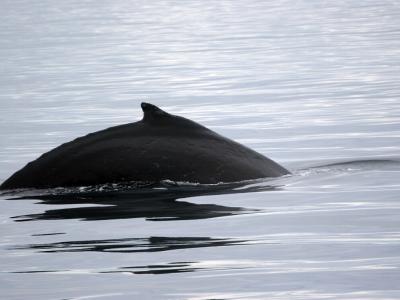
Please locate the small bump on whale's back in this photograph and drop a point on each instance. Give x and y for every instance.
(152, 112)
(154, 116)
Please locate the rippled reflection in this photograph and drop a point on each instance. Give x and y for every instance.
(154, 203)
(131, 245)
(158, 210)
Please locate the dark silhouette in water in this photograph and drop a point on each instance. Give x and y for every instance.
(155, 203)
(160, 146)
(154, 210)
(135, 245)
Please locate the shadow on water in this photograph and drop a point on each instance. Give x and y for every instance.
(159, 269)
(174, 267)
(132, 245)
(155, 203)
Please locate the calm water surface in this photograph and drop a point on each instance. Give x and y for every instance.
(313, 85)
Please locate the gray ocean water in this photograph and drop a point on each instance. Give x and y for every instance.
(313, 85)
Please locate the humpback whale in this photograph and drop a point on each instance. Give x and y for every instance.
(159, 147)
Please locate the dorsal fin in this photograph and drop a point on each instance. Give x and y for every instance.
(152, 112)
(154, 116)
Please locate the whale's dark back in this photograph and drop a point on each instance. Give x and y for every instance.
(159, 147)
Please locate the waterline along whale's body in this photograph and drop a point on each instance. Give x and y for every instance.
(159, 147)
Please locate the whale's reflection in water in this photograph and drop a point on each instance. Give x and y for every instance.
(173, 267)
(154, 203)
(159, 210)
(131, 245)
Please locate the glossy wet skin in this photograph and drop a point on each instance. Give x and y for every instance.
(159, 147)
